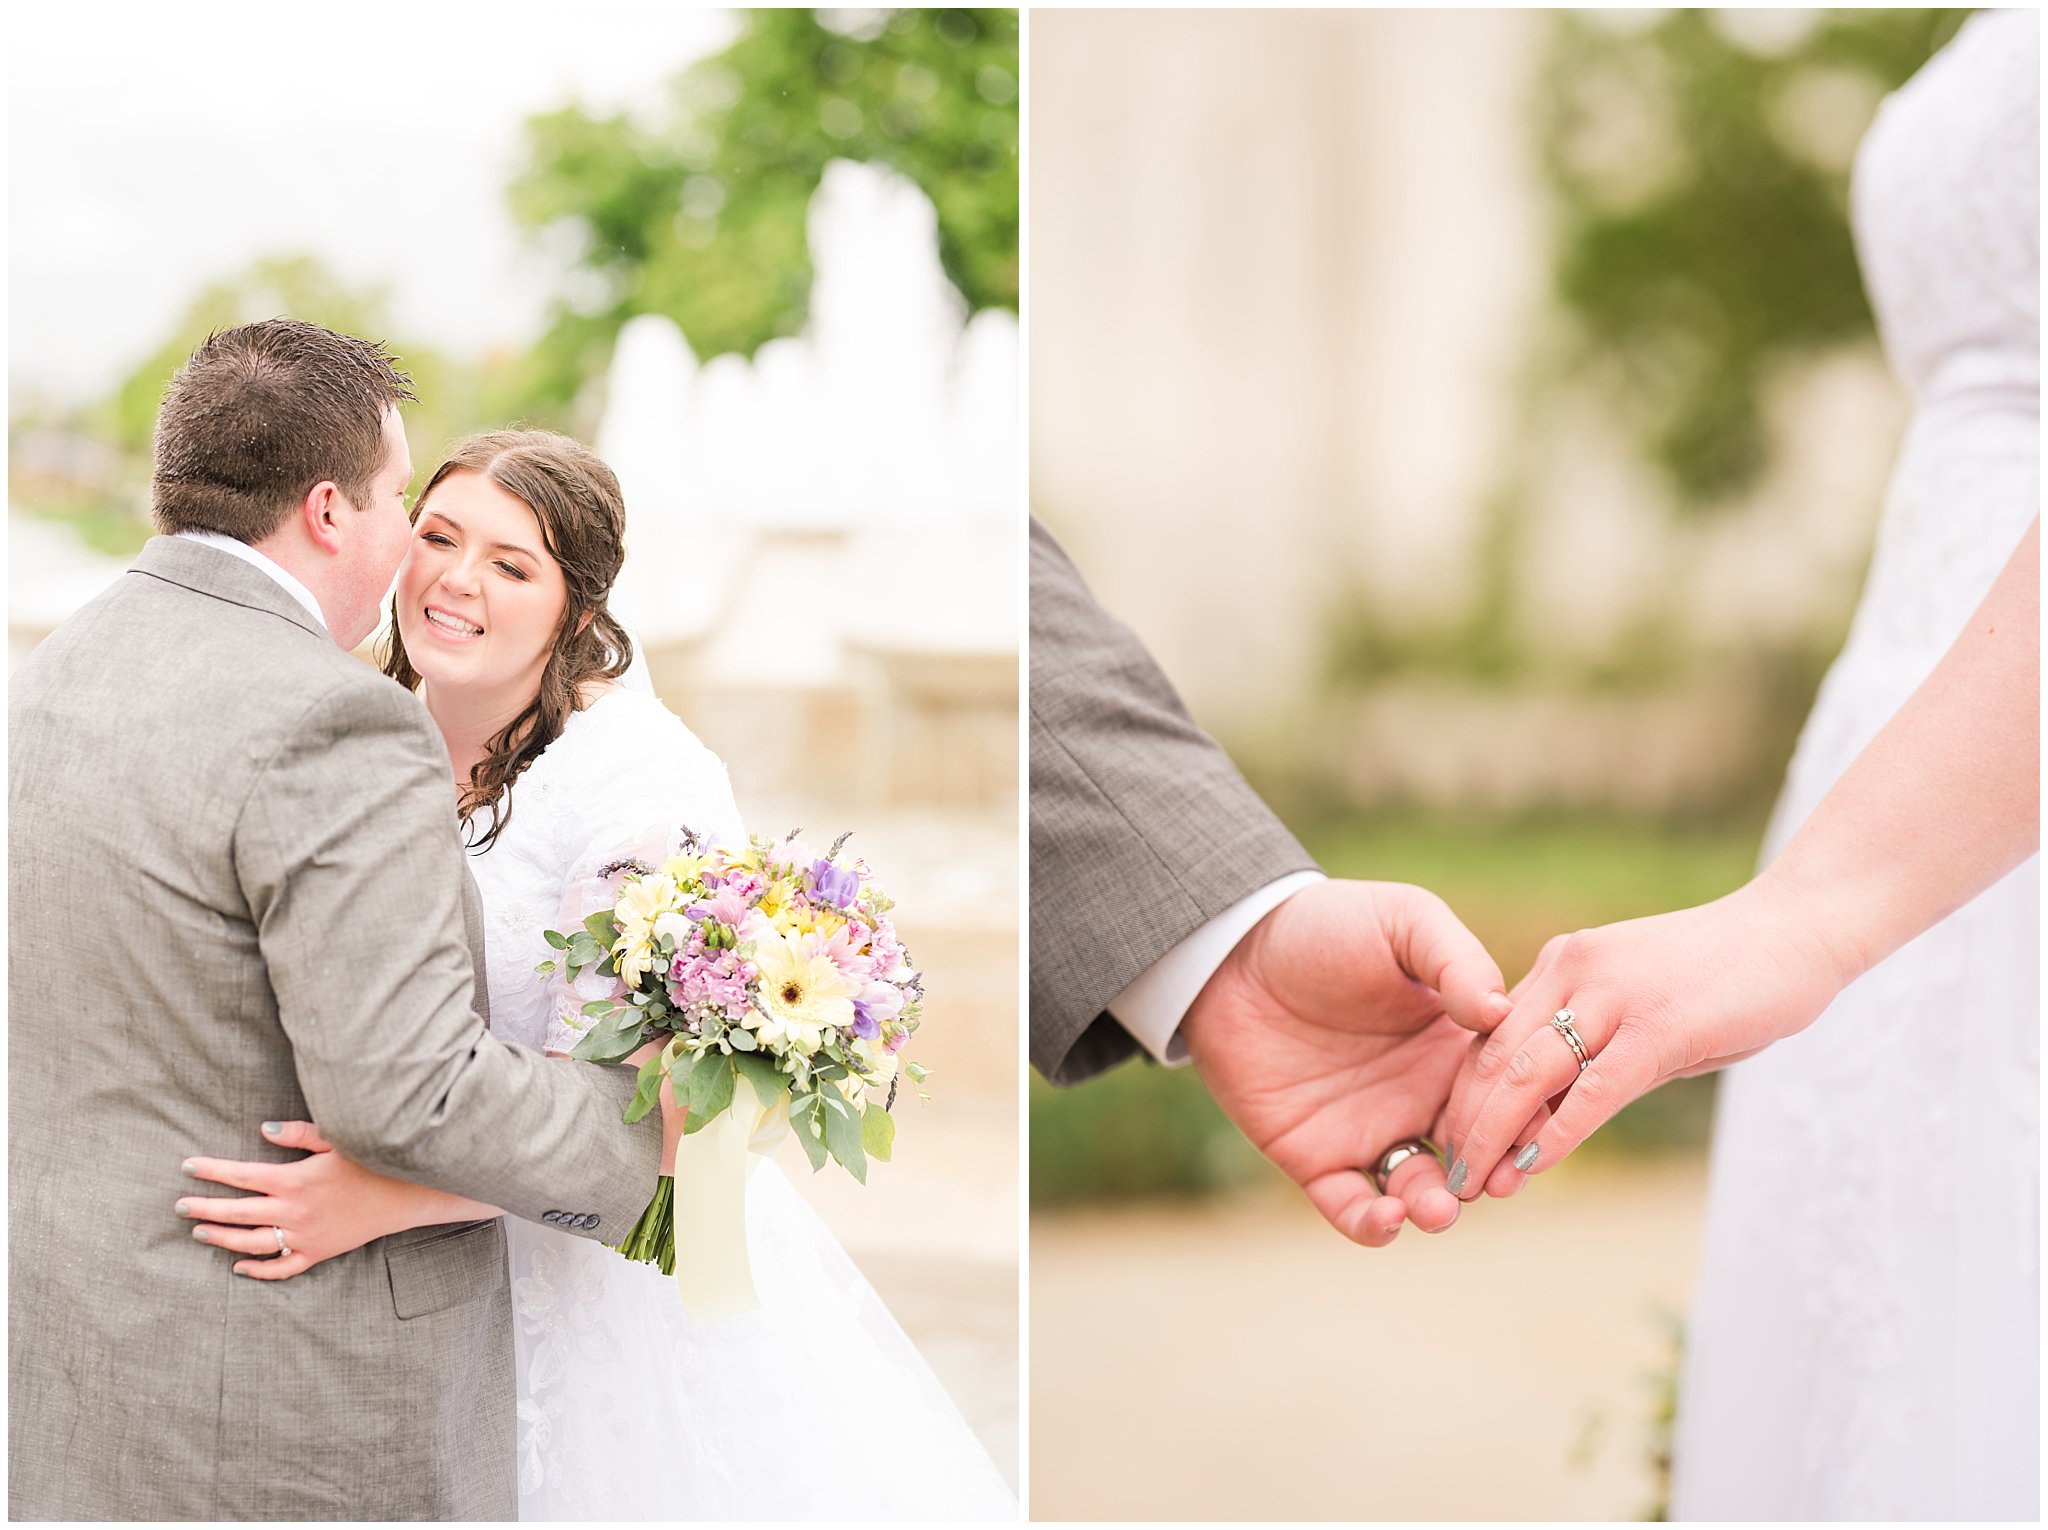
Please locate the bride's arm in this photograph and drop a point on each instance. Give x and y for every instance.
(1941, 804)
(1945, 801)
(321, 1205)
(325, 1204)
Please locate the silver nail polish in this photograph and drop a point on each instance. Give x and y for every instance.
(202, 1235)
(184, 1208)
(1526, 1159)
(190, 1166)
(1457, 1180)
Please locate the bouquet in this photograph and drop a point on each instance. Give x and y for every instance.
(783, 998)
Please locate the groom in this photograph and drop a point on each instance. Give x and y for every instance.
(1171, 911)
(236, 896)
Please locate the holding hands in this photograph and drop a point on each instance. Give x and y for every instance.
(1342, 1026)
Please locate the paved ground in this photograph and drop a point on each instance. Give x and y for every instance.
(1236, 1360)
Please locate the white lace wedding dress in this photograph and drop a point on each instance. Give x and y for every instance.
(816, 1406)
(1865, 1339)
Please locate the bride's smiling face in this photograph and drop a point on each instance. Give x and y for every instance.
(479, 596)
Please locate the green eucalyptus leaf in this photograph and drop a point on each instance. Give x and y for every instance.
(710, 1093)
(648, 1095)
(878, 1132)
(603, 928)
(611, 1040)
(843, 1134)
(803, 1117)
(556, 939)
(768, 1083)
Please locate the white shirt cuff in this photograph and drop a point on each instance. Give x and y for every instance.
(1152, 1006)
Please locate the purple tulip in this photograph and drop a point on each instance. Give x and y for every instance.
(836, 886)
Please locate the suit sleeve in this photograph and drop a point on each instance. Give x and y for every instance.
(1141, 828)
(348, 857)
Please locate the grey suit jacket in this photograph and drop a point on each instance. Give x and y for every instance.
(1141, 829)
(235, 895)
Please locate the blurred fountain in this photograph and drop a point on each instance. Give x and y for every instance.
(824, 567)
(859, 481)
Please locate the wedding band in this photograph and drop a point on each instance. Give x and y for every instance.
(1561, 1022)
(1397, 1155)
(282, 1251)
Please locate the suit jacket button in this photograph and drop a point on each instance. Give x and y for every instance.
(551, 1216)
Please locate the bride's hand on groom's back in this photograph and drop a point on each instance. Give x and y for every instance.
(1649, 1000)
(1334, 1030)
(316, 1207)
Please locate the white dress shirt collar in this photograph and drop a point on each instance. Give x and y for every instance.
(249, 555)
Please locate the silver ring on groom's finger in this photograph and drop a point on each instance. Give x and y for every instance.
(1397, 1155)
(1562, 1023)
(282, 1251)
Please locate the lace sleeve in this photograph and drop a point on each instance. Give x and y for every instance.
(655, 781)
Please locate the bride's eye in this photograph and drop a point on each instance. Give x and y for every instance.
(436, 538)
(514, 570)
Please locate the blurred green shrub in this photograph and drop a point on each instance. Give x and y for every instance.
(1697, 168)
(1699, 176)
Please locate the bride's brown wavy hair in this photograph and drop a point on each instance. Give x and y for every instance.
(582, 517)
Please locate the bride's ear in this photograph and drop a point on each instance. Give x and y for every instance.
(583, 622)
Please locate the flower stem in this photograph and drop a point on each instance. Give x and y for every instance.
(652, 1239)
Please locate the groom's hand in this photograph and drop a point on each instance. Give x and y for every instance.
(1335, 1029)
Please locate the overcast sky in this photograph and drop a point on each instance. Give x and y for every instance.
(156, 147)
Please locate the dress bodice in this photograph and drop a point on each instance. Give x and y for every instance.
(624, 778)
(1946, 203)
(1947, 209)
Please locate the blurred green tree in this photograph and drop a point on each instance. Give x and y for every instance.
(304, 288)
(701, 217)
(1699, 169)
(298, 285)
(113, 516)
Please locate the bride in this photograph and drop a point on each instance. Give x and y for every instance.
(813, 1406)
(1865, 1340)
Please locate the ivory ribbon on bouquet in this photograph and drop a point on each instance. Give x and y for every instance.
(712, 1272)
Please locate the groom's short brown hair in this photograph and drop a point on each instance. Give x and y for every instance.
(261, 413)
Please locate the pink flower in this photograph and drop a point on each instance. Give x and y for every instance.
(839, 951)
(728, 907)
